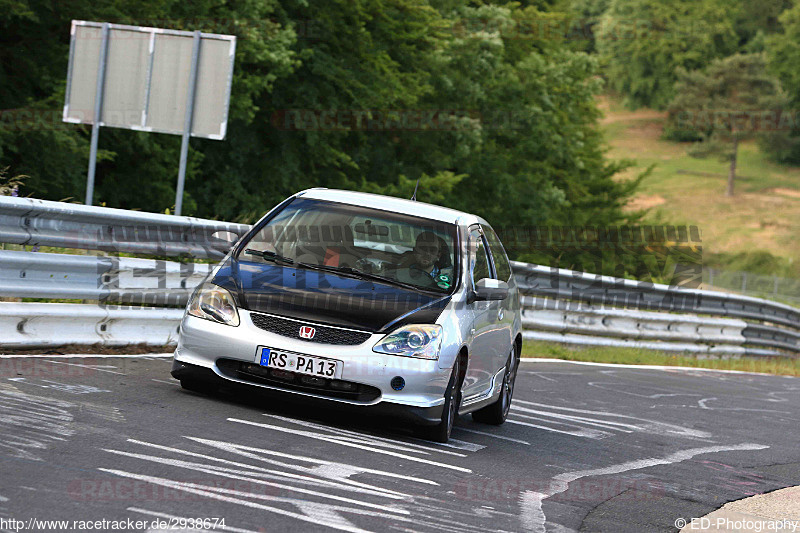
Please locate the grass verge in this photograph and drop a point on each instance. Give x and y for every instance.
(638, 356)
(763, 215)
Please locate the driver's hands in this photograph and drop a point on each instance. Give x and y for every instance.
(420, 277)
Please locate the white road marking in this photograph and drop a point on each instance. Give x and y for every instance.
(92, 367)
(29, 423)
(241, 449)
(328, 438)
(64, 387)
(702, 405)
(167, 382)
(455, 443)
(315, 513)
(533, 517)
(3, 499)
(605, 424)
(364, 438)
(344, 484)
(182, 519)
(625, 388)
(588, 433)
(650, 426)
(238, 474)
(540, 375)
(501, 437)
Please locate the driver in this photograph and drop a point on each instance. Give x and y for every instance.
(424, 259)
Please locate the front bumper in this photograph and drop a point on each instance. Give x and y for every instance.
(204, 344)
(414, 414)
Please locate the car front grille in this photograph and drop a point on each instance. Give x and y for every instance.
(293, 381)
(323, 334)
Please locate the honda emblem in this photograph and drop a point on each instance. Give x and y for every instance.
(307, 332)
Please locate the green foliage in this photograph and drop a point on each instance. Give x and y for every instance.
(9, 185)
(754, 262)
(783, 53)
(644, 42)
(515, 137)
(588, 14)
(754, 20)
(726, 104)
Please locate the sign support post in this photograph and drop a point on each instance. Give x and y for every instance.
(187, 123)
(145, 79)
(98, 109)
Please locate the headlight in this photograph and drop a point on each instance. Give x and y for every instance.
(214, 303)
(423, 341)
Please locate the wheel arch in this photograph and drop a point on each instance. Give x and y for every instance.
(463, 359)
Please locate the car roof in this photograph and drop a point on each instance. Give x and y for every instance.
(390, 203)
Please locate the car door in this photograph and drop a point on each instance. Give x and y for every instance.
(483, 349)
(506, 309)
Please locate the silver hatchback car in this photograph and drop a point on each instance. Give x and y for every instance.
(385, 304)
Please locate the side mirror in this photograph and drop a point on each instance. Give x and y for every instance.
(491, 289)
(227, 236)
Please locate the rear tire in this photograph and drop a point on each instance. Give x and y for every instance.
(452, 399)
(496, 413)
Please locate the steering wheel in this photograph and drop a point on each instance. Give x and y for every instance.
(421, 277)
(365, 265)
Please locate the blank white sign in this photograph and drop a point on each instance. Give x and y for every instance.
(146, 82)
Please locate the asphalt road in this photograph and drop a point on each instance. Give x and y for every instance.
(586, 448)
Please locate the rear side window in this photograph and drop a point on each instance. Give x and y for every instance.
(501, 264)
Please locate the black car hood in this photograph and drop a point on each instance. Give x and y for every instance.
(327, 298)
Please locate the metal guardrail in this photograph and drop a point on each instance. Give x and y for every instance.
(768, 326)
(672, 332)
(558, 305)
(107, 279)
(560, 284)
(27, 221)
(35, 325)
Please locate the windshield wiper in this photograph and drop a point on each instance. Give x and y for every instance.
(269, 256)
(272, 256)
(365, 275)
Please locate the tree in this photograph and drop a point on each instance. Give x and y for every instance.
(643, 43)
(728, 102)
(783, 55)
(588, 14)
(332, 94)
(134, 170)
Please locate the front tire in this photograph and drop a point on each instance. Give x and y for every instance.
(452, 399)
(496, 413)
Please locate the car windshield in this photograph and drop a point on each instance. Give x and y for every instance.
(403, 249)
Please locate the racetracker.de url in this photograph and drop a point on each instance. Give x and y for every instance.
(126, 524)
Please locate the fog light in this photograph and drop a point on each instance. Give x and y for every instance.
(398, 383)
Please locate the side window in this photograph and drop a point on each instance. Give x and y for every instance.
(479, 262)
(501, 264)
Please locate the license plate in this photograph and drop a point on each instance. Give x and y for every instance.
(302, 364)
